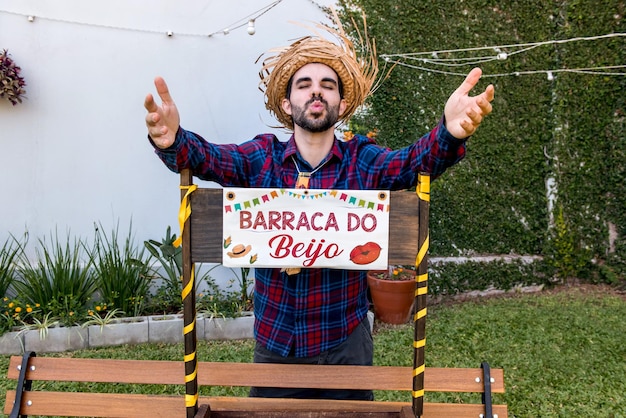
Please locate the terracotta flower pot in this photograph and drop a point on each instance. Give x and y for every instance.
(393, 299)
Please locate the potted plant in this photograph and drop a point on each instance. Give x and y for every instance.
(11, 83)
(392, 292)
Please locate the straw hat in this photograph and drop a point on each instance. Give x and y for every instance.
(357, 75)
(239, 251)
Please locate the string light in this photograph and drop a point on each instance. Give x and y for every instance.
(432, 58)
(251, 28)
(589, 70)
(247, 20)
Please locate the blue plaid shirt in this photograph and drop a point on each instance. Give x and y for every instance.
(316, 309)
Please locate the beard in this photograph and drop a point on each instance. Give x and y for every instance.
(318, 121)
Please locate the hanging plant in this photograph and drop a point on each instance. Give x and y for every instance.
(11, 84)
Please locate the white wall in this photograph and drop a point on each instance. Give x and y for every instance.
(75, 151)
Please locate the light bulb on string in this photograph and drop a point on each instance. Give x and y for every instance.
(251, 28)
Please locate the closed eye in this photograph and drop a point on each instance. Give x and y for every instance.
(329, 83)
(303, 82)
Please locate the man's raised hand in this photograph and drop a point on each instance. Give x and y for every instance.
(162, 121)
(463, 112)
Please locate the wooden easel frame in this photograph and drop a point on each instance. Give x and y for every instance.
(202, 243)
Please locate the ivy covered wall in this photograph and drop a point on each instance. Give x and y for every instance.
(545, 173)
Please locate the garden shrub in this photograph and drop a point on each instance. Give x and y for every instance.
(561, 126)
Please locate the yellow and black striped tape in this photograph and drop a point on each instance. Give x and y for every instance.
(423, 187)
(421, 290)
(184, 212)
(191, 399)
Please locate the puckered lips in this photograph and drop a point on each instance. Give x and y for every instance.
(317, 105)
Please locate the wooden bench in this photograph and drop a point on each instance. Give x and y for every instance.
(201, 217)
(37, 400)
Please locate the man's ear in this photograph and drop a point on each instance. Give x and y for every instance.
(342, 106)
(286, 105)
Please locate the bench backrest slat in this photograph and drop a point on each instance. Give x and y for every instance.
(254, 374)
(82, 404)
(140, 406)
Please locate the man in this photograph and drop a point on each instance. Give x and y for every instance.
(315, 316)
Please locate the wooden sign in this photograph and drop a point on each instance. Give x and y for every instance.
(347, 229)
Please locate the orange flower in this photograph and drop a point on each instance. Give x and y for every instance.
(372, 134)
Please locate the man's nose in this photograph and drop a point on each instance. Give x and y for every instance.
(316, 90)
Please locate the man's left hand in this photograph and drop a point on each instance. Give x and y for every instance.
(464, 113)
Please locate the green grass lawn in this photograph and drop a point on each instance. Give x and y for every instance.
(563, 353)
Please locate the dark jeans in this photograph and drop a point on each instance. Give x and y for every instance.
(358, 349)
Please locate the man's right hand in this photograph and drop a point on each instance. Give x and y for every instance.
(162, 121)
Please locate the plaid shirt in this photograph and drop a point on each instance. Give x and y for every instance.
(316, 309)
